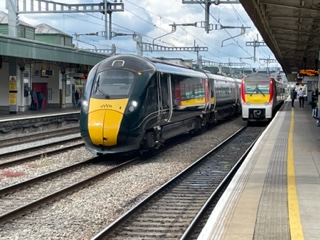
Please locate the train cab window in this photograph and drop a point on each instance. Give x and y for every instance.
(113, 84)
(258, 83)
(255, 87)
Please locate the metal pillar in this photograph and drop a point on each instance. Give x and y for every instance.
(11, 5)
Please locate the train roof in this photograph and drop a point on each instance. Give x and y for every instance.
(166, 66)
(179, 70)
(162, 65)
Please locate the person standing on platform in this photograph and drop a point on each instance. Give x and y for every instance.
(301, 97)
(76, 98)
(293, 96)
(34, 100)
(40, 99)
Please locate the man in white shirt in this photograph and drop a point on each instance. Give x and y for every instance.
(301, 97)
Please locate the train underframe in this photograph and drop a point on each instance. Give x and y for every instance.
(155, 137)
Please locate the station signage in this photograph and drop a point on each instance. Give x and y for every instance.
(13, 94)
(308, 72)
(76, 75)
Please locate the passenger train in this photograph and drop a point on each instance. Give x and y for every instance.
(135, 103)
(261, 97)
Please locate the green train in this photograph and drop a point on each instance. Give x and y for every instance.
(135, 103)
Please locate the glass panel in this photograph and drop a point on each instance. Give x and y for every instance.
(252, 87)
(113, 84)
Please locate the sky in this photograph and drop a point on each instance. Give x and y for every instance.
(153, 19)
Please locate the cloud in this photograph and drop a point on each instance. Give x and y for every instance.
(153, 21)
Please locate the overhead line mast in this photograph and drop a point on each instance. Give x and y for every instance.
(207, 26)
(44, 6)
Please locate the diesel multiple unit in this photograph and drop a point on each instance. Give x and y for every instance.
(261, 96)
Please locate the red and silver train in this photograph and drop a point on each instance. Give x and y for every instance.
(261, 96)
(136, 103)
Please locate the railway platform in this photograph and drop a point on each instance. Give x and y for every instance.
(275, 194)
(6, 116)
(28, 122)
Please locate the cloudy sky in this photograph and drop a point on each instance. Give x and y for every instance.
(152, 18)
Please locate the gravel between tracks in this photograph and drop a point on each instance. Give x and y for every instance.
(41, 165)
(86, 212)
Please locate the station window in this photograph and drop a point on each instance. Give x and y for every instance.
(68, 89)
(26, 84)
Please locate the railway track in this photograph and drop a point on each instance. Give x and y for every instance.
(37, 137)
(9, 159)
(177, 209)
(19, 199)
(22, 147)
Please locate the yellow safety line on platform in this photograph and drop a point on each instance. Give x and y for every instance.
(296, 231)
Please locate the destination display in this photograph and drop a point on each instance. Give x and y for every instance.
(308, 72)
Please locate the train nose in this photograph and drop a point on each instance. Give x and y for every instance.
(104, 127)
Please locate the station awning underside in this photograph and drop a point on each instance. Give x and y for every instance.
(291, 29)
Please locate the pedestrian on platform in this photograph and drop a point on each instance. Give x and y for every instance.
(40, 99)
(293, 96)
(34, 100)
(76, 99)
(301, 97)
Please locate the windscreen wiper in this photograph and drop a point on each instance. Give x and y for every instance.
(256, 89)
(106, 95)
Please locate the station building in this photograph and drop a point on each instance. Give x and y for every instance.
(41, 58)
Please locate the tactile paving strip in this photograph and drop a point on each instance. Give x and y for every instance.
(272, 218)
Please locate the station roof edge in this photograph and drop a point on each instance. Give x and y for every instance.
(30, 49)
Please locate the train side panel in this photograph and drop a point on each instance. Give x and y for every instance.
(226, 92)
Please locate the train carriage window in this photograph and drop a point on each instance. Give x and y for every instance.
(164, 90)
(191, 88)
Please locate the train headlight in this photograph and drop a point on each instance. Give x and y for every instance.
(133, 105)
(84, 106)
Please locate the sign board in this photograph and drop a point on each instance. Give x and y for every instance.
(13, 94)
(308, 72)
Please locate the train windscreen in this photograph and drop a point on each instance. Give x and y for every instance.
(256, 84)
(113, 84)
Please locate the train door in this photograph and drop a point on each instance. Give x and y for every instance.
(165, 104)
(207, 94)
(43, 88)
(213, 94)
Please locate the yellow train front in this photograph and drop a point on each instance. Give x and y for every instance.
(132, 103)
(261, 96)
